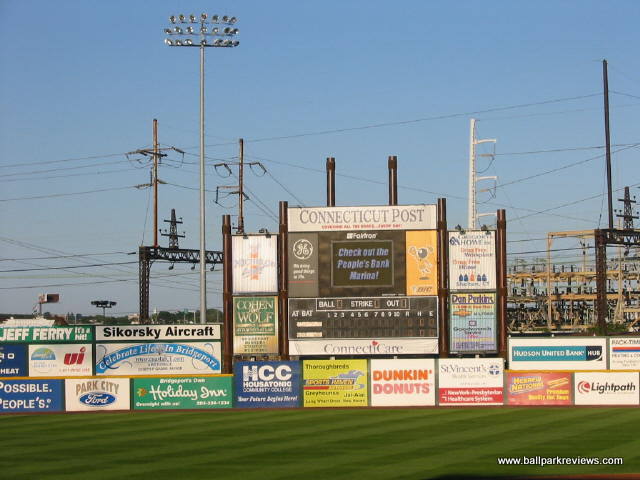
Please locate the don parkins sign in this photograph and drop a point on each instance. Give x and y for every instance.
(158, 332)
(397, 217)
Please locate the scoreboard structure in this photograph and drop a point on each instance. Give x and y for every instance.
(362, 280)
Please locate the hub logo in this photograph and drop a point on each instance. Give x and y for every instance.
(75, 358)
(495, 369)
(97, 399)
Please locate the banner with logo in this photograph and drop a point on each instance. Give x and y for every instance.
(254, 263)
(267, 384)
(473, 322)
(72, 360)
(158, 358)
(470, 381)
(335, 383)
(539, 388)
(97, 394)
(607, 388)
(422, 262)
(255, 325)
(403, 382)
(381, 346)
(13, 360)
(46, 334)
(624, 353)
(558, 353)
(182, 393)
(377, 217)
(153, 333)
(303, 265)
(472, 260)
(31, 396)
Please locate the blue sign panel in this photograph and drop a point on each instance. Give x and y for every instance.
(13, 361)
(574, 353)
(267, 384)
(31, 396)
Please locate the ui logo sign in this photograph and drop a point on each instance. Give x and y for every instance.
(267, 384)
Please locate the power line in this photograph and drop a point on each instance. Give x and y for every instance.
(56, 195)
(67, 267)
(65, 256)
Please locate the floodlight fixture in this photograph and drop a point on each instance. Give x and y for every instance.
(172, 19)
(168, 31)
(203, 30)
(232, 20)
(190, 30)
(192, 18)
(203, 17)
(215, 18)
(188, 42)
(178, 30)
(215, 31)
(168, 42)
(225, 19)
(182, 18)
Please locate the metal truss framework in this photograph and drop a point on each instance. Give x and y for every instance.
(147, 255)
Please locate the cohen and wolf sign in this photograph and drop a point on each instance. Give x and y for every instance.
(255, 325)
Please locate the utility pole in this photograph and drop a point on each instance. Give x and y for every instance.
(156, 154)
(239, 188)
(605, 84)
(473, 178)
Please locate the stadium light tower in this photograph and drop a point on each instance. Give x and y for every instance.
(203, 31)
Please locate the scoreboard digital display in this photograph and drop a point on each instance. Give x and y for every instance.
(363, 317)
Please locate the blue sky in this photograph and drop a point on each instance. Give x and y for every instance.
(356, 80)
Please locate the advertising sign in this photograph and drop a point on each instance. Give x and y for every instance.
(31, 396)
(624, 353)
(157, 358)
(182, 393)
(335, 383)
(254, 263)
(403, 382)
(472, 260)
(97, 394)
(60, 360)
(558, 353)
(267, 384)
(152, 333)
(539, 388)
(396, 217)
(422, 262)
(470, 381)
(363, 317)
(45, 334)
(379, 346)
(303, 265)
(607, 388)
(473, 322)
(13, 360)
(255, 325)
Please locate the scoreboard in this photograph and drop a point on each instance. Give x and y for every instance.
(363, 274)
(363, 317)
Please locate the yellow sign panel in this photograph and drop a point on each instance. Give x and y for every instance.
(335, 383)
(422, 262)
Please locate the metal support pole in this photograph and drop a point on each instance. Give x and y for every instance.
(392, 164)
(501, 281)
(283, 287)
(227, 294)
(601, 281)
(443, 279)
(203, 252)
(144, 269)
(241, 188)
(605, 81)
(331, 182)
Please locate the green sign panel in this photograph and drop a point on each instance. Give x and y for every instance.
(182, 393)
(255, 323)
(46, 334)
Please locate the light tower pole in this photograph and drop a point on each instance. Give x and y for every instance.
(203, 31)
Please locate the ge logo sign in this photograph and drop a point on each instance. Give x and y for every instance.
(302, 249)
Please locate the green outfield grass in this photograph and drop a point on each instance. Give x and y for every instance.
(311, 444)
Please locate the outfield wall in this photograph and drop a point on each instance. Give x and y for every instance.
(342, 383)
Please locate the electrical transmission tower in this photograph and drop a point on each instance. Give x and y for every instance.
(173, 234)
(473, 176)
(239, 188)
